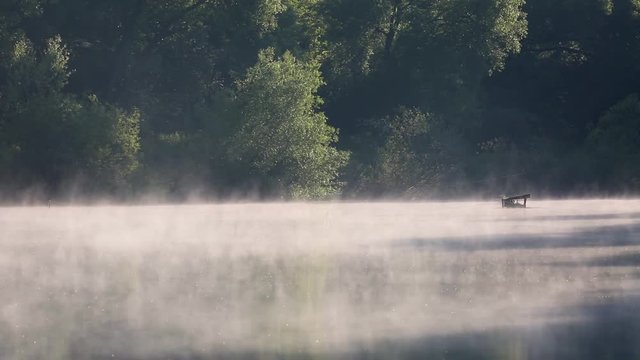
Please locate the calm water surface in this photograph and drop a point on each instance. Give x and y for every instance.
(465, 280)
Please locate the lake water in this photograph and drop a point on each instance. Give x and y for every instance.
(457, 280)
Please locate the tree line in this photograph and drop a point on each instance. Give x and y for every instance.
(310, 99)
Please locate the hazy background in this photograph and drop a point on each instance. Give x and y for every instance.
(455, 280)
(318, 98)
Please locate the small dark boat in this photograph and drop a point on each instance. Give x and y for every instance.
(518, 201)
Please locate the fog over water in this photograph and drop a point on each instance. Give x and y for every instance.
(456, 280)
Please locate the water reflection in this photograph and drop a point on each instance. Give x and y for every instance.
(598, 236)
(323, 281)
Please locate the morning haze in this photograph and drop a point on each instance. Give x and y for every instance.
(456, 280)
(319, 179)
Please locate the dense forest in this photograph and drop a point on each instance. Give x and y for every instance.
(310, 99)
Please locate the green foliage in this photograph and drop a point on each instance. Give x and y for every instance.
(409, 160)
(30, 75)
(53, 137)
(429, 54)
(618, 130)
(283, 138)
(426, 94)
(616, 143)
(371, 31)
(267, 14)
(113, 142)
(12, 13)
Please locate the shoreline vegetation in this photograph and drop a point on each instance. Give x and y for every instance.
(318, 99)
(153, 201)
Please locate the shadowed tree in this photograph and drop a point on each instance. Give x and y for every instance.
(616, 142)
(49, 137)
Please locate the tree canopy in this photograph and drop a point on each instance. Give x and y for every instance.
(319, 98)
